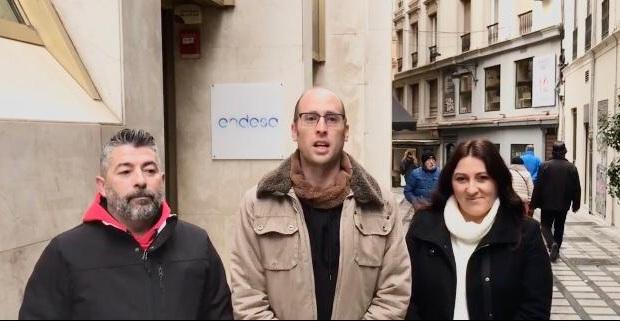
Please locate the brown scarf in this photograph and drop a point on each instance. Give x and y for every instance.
(323, 198)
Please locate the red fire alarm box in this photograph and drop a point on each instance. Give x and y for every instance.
(189, 44)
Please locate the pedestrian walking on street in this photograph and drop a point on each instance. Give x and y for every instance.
(522, 183)
(531, 162)
(557, 188)
(422, 181)
(475, 256)
(318, 238)
(131, 258)
(408, 163)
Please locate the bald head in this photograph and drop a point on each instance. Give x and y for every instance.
(316, 92)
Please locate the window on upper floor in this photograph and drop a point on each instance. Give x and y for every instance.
(413, 45)
(588, 38)
(525, 22)
(523, 83)
(466, 37)
(575, 37)
(432, 98)
(433, 29)
(588, 32)
(465, 85)
(492, 88)
(399, 49)
(605, 18)
(432, 38)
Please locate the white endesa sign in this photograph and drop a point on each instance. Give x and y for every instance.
(543, 81)
(247, 121)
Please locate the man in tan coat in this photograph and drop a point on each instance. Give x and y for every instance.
(317, 238)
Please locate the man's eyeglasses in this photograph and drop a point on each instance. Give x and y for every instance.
(331, 119)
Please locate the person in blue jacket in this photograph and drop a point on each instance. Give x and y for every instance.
(422, 181)
(531, 162)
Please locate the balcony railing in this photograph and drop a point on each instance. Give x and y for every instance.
(414, 59)
(492, 31)
(588, 32)
(432, 53)
(465, 42)
(399, 64)
(525, 22)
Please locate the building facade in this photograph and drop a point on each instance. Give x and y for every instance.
(153, 65)
(478, 69)
(590, 91)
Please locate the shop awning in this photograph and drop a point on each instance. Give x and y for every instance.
(401, 119)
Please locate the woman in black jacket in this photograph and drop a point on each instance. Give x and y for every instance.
(473, 252)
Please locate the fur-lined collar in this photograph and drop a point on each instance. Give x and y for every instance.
(366, 190)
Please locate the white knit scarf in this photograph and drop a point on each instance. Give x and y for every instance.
(465, 237)
(469, 232)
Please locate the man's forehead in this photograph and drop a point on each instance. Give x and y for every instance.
(132, 155)
(320, 98)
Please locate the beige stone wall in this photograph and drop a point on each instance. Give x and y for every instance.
(47, 170)
(244, 44)
(357, 67)
(251, 44)
(602, 85)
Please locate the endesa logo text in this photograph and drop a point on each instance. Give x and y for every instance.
(248, 122)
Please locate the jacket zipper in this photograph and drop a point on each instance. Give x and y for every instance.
(300, 213)
(338, 290)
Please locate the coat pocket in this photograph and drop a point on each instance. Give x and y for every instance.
(371, 238)
(278, 238)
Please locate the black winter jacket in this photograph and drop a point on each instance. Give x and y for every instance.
(97, 272)
(557, 186)
(503, 282)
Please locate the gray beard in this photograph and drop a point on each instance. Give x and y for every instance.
(121, 207)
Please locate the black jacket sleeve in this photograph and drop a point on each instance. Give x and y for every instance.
(537, 278)
(47, 295)
(577, 192)
(536, 195)
(217, 304)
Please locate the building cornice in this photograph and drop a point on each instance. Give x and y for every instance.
(529, 120)
(498, 48)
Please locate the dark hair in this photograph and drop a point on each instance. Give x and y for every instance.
(517, 160)
(559, 150)
(485, 151)
(134, 137)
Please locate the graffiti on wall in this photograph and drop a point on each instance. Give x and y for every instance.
(601, 167)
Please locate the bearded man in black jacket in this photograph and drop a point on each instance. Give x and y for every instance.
(131, 258)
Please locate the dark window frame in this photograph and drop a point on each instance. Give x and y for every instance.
(497, 87)
(524, 83)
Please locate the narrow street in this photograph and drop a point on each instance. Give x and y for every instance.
(587, 275)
